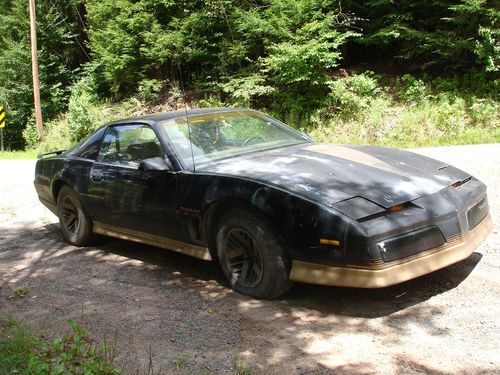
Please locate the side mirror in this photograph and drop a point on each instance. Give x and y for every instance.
(155, 164)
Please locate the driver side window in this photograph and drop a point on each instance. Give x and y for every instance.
(129, 144)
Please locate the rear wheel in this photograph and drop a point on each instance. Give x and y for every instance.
(252, 256)
(76, 225)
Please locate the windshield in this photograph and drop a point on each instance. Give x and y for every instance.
(225, 134)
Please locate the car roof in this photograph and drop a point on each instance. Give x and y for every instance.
(158, 117)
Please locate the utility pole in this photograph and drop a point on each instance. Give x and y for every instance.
(34, 64)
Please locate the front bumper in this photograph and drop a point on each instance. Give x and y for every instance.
(394, 272)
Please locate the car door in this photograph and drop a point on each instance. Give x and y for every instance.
(125, 197)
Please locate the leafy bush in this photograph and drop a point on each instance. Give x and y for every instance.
(83, 117)
(24, 351)
(150, 88)
(30, 134)
(277, 54)
(350, 96)
(243, 89)
(56, 135)
(440, 119)
(475, 85)
(484, 113)
(211, 101)
(375, 123)
(449, 116)
(413, 90)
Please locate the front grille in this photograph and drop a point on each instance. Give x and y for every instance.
(411, 243)
(452, 241)
(454, 238)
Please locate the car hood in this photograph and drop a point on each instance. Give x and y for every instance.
(328, 174)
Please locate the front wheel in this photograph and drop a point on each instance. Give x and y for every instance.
(252, 256)
(76, 225)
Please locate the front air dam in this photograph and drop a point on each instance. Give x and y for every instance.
(394, 272)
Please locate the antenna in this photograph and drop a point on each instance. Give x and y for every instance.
(187, 117)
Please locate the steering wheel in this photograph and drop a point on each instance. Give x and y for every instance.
(250, 140)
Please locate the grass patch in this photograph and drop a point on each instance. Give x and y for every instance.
(180, 361)
(18, 293)
(239, 367)
(18, 155)
(428, 123)
(24, 350)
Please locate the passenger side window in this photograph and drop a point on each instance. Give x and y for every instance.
(129, 145)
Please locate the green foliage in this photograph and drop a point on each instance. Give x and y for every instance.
(58, 53)
(433, 120)
(30, 134)
(18, 346)
(83, 118)
(350, 96)
(24, 351)
(239, 367)
(412, 89)
(115, 36)
(300, 49)
(484, 113)
(56, 136)
(180, 361)
(211, 101)
(436, 34)
(59, 135)
(294, 59)
(18, 155)
(18, 293)
(149, 89)
(244, 89)
(475, 25)
(307, 55)
(285, 44)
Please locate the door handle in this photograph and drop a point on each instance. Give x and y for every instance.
(96, 177)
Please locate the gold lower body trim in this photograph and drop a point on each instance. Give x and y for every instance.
(151, 239)
(377, 278)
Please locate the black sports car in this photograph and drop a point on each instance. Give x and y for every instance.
(268, 203)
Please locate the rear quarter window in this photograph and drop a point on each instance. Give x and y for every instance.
(89, 148)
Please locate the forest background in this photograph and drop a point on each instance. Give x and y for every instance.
(399, 73)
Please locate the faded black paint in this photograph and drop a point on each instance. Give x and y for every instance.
(302, 190)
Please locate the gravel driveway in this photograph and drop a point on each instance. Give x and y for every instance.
(182, 310)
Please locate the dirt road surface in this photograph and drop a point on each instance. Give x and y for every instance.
(183, 311)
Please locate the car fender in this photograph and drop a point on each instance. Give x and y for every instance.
(299, 222)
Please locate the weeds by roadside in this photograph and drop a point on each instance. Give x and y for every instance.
(239, 367)
(408, 112)
(20, 292)
(181, 361)
(18, 155)
(24, 350)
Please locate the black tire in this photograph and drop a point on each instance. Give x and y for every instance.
(76, 224)
(252, 256)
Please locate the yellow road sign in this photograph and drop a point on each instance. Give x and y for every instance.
(2, 117)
